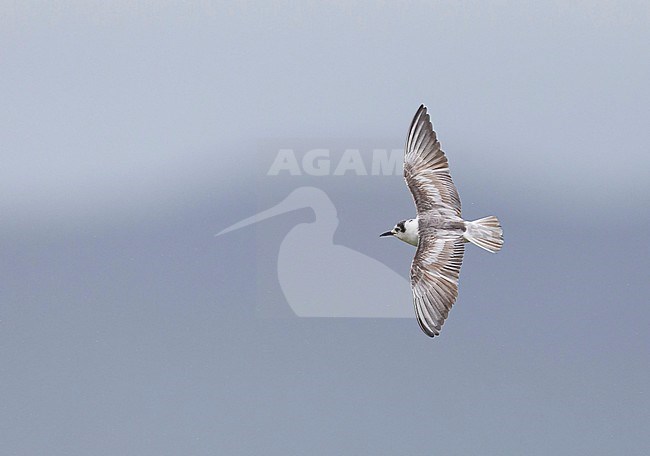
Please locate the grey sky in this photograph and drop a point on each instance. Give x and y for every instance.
(132, 133)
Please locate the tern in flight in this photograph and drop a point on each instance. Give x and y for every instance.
(438, 231)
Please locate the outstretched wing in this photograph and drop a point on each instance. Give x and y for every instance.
(434, 279)
(426, 169)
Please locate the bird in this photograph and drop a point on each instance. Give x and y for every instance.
(438, 231)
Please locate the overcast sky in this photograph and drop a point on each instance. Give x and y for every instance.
(132, 133)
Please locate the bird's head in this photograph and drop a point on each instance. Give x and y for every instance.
(406, 230)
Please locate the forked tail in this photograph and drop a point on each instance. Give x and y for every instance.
(486, 233)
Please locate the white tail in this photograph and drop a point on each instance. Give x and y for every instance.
(486, 233)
